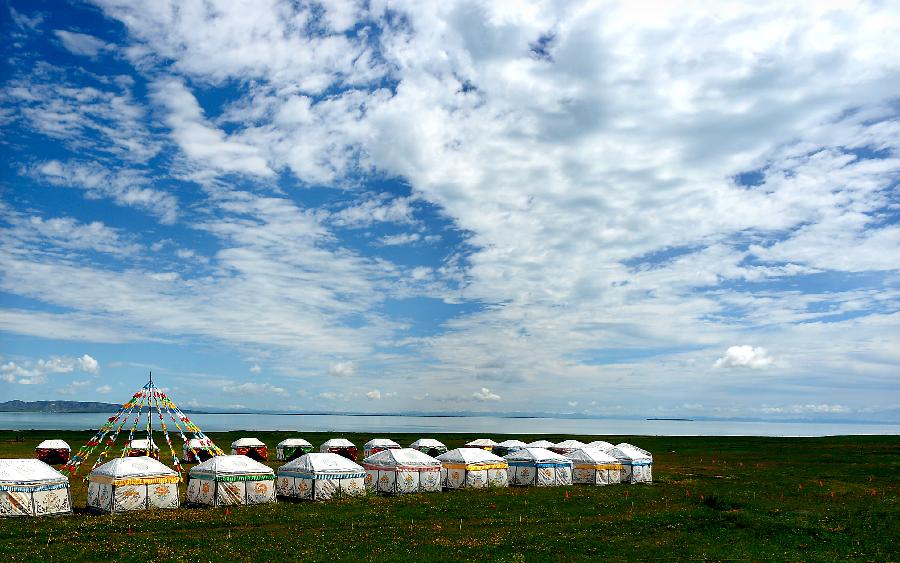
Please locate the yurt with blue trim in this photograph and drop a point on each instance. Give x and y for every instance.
(539, 468)
(30, 487)
(637, 464)
(230, 479)
(321, 476)
(472, 468)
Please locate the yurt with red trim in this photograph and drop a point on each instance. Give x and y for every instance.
(250, 447)
(197, 450)
(143, 447)
(53, 452)
(472, 468)
(132, 483)
(401, 471)
(320, 476)
(376, 445)
(340, 446)
(30, 487)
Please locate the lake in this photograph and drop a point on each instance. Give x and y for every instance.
(469, 424)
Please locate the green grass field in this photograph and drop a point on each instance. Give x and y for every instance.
(797, 499)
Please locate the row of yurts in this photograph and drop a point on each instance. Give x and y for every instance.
(30, 487)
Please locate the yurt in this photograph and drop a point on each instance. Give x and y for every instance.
(539, 467)
(132, 483)
(600, 445)
(250, 447)
(593, 466)
(484, 443)
(546, 444)
(321, 476)
(230, 479)
(402, 471)
(566, 446)
(429, 446)
(464, 468)
(30, 487)
(637, 464)
(197, 449)
(340, 446)
(376, 445)
(142, 448)
(508, 447)
(292, 448)
(53, 452)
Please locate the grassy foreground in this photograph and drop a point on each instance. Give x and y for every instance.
(714, 498)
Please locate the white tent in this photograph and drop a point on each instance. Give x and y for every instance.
(402, 471)
(292, 448)
(321, 476)
(30, 487)
(539, 467)
(637, 464)
(142, 447)
(600, 445)
(483, 443)
(203, 447)
(541, 444)
(53, 451)
(340, 446)
(250, 447)
(472, 468)
(429, 446)
(508, 447)
(376, 445)
(593, 466)
(132, 483)
(230, 479)
(53, 445)
(566, 446)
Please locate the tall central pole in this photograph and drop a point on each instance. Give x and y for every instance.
(150, 418)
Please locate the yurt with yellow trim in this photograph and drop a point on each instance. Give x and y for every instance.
(637, 464)
(402, 471)
(539, 467)
(472, 468)
(132, 483)
(230, 479)
(321, 476)
(30, 487)
(593, 466)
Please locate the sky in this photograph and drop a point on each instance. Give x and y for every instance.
(604, 208)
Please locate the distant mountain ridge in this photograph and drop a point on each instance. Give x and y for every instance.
(58, 406)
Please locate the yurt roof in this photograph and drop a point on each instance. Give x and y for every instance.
(142, 444)
(339, 443)
(381, 443)
(628, 451)
(28, 471)
(197, 443)
(480, 442)
(406, 457)
(246, 443)
(592, 455)
(602, 444)
(322, 463)
(512, 444)
(541, 444)
(54, 445)
(223, 465)
(469, 455)
(566, 444)
(127, 467)
(427, 443)
(292, 443)
(537, 455)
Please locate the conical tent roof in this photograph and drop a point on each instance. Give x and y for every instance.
(427, 443)
(406, 457)
(338, 443)
(142, 444)
(481, 442)
(23, 472)
(197, 443)
(569, 445)
(53, 445)
(293, 443)
(229, 465)
(536, 455)
(130, 468)
(541, 444)
(381, 443)
(247, 443)
(630, 452)
(591, 455)
(321, 463)
(601, 444)
(470, 456)
(512, 444)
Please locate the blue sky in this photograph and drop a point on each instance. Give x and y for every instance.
(390, 206)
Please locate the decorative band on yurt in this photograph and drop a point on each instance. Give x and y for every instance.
(637, 463)
(476, 466)
(598, 466)
(233, 478)
(538, 465)
(322, 476)
(104, 480)
(33, 488)
(401, 468)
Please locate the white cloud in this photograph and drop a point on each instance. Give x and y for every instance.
(745, 357)
(104, 389)
(485, 394)
(252, 388)
(374, 394)
(341, 369)
(82, 43)
(36, 372)
(255, 369)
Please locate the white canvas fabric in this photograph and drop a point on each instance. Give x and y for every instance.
(290, 443)
(197, 445)
(30, 487)
(320, 476)
(484, 443)
(539, 467)
(132, 483)
(566, 446)
(402, 471)
(131, 467)
(231, 479)
(472, 468)
(53, 445)
(428, 444)
(593, 466)
(142, 444)
(541, 444)
(336, 443)
(379, 444)
(508, 446)
(229, 466)
(247, 443)
(600, 444)
(637, 464)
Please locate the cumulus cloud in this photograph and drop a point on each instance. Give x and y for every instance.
(485, 394)
(253, 388)
(745, 357)
(341, 369)
(104, 389)
(82, 43)
(255, 368)
(374, 394)
(36, 372)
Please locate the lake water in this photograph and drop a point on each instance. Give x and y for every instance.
(471, 424)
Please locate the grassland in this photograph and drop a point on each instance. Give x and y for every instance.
(763, 499)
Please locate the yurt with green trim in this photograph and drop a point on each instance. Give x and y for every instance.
(472, 468)
(292, 448)
(539, 468)
(230, 479)
(321, 476)
(593, 466)
(401, 471)
(429, 446)
(376, 445)
(637, 464)
(508, 447)
(132, 483)
(30, 487)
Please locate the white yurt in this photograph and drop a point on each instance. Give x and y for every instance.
(593, 466)
(539, 467)
(464, 468)
(600, 445)
(402, 471)
(197, 449)
(340, 446)
(429, 446)
(230, 479)
(566, 446)
(637, 464)
(483, 443)
(30, 487)
(321, 476)
(53, 452)
(376, 445)
(508, 447)
(142, 447)
(546, 444)
(292, 448)
(250, 447)
(132, 483)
